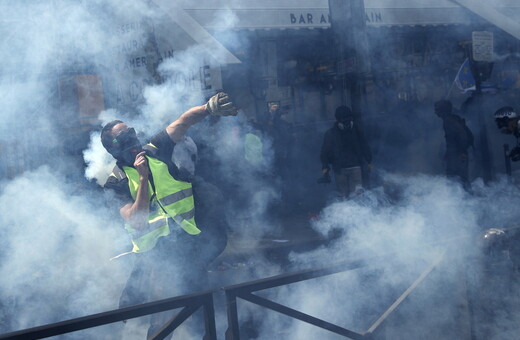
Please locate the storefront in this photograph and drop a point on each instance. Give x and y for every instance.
(284, 52)
(291, 48)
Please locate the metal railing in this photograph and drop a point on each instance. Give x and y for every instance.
(245, 292)
(189, 304)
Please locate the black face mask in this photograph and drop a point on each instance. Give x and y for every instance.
(125, 146)
(345, 124)
(503, 125)
(502, 122)
(441, 114)
(506, 131)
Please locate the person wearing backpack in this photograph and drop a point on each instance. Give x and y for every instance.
(459, 139)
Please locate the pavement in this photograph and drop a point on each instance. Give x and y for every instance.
(247, 258)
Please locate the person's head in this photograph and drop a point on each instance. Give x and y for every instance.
(273, 113)
(120, 141)
(506, 119)
(344, 117)
(443, 107)
(494, 244)
(343, 114)
(273, 106)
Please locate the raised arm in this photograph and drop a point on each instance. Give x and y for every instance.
(177, 129)
(220, 105)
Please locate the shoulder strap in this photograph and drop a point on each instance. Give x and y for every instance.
(150, 149)
(119, 173)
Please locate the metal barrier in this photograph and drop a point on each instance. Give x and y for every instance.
(190, 303)
(245, 292)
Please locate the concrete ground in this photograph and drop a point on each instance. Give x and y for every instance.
(247, 258)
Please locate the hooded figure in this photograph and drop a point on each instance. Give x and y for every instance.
(459, 139)
(346, 149)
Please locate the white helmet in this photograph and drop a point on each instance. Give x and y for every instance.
(502, 118)
(506, 112)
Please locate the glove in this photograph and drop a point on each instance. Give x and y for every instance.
(221, 105)
(515, 154)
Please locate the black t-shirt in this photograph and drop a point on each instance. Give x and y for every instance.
(459, 137)
(164, 151)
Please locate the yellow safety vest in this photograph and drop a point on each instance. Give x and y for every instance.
(171, 198)
(253, 149)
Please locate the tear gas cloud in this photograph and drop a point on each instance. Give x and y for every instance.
(401, 228)
(222, 137)
(410, 219)
(55, 252)
(251, 183)
(58, 231)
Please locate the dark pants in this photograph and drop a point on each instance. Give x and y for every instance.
(457, 168)
(348, 181)
(173, 267)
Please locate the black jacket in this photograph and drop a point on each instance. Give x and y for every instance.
(344, 148)
(458, 136)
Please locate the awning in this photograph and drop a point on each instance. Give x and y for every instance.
(498, 13)
(197, 17)
(415, 12)
(267, 14)
(196, 31)
(287, 14)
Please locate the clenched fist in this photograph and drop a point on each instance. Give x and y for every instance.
(141, 164)
(221, 105)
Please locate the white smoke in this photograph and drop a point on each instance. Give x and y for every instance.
(403, 227)
(58, 229)
(100, 161)
(55, 255)
(57, 233)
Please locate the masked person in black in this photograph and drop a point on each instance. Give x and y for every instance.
(346, 149)
(173, 242)
(459, 139)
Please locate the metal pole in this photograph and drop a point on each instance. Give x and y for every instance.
(301, 316)
(483, 137)
(403, 296)
(233, 331)
(349, 27)
(171, 325)
(209, 319)
(508, 161)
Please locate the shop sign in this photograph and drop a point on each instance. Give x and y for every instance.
(482, 46)
(323, 18)
(309, 18)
